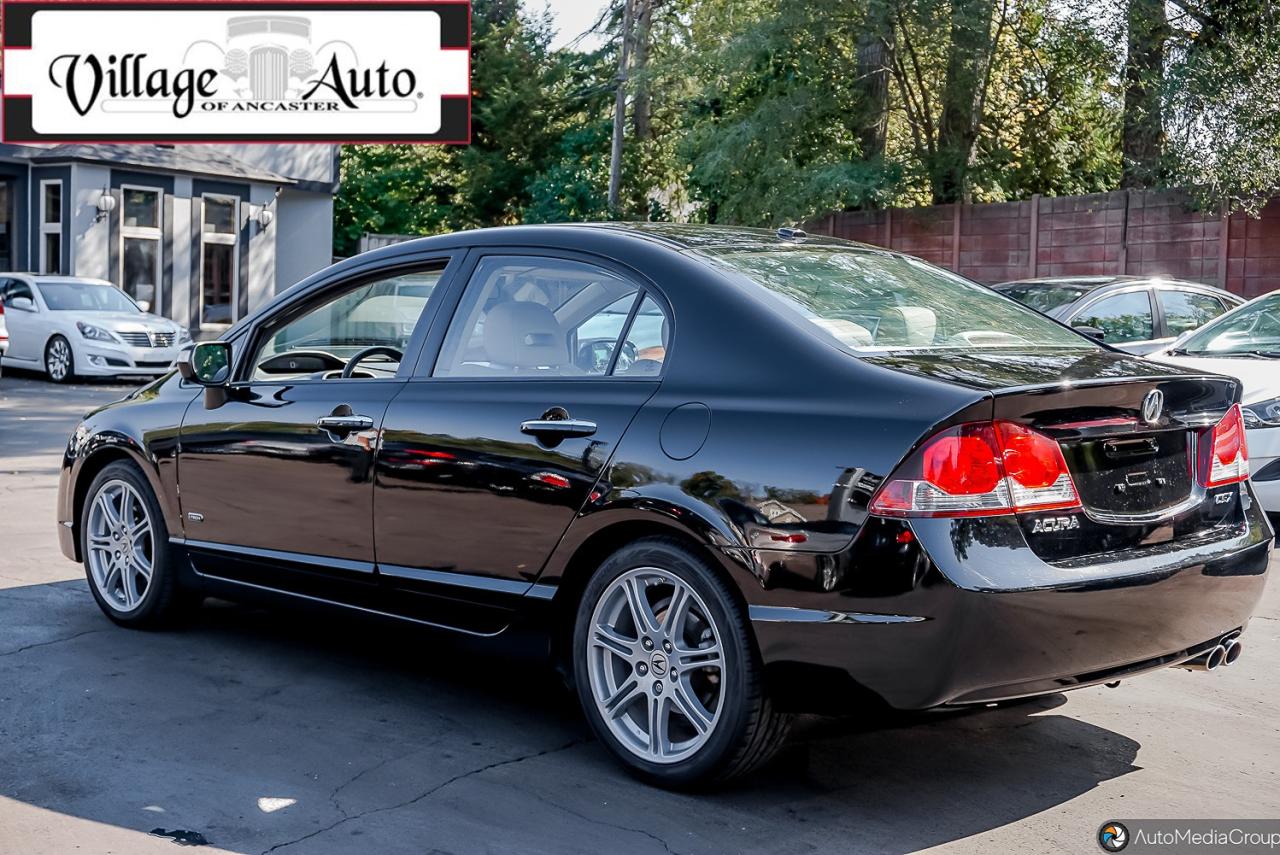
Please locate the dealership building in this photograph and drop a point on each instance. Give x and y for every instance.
(202, 234)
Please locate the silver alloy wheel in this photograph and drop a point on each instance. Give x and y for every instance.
(120, 545)
(57, 360)
(656, 665)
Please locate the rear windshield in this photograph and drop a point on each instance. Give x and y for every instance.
(1044, 297)
(872, 302)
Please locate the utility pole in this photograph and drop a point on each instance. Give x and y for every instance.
(620, 108)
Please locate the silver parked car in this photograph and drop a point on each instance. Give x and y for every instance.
(1138, 314)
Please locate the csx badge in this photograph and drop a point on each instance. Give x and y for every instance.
(1045, 525)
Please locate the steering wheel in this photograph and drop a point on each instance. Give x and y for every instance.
(376, 350)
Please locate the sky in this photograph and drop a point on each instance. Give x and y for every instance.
(572, 18)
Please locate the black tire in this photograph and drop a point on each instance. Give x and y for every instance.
(165, 602)
(749, 730)
(50, 369)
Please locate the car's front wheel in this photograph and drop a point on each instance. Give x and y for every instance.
(59, 361)
(125, 545)
(666, 669)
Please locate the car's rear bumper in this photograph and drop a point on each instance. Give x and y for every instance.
(954, 639)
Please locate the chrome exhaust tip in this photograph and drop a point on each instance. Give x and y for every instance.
(1233, 650)
(1207, 661)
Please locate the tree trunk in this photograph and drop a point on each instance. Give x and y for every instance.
(642, 101)
(1143, 134)
(875, 48)
(968, 59)
(620, 106)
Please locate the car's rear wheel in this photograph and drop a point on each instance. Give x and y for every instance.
(667, 671)
(126, 551)
(59, 361)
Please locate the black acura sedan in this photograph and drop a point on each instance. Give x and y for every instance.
(734, 474)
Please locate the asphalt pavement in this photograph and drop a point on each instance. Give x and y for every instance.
(261, 731)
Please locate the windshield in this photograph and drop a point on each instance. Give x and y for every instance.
(86, 297)
(1044, 296)
(1252, 329)
(871, 301)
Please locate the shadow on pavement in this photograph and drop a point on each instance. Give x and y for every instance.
(276, 731)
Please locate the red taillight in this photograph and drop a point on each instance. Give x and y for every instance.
(963, 463)
(1228, 461)
(979, 469)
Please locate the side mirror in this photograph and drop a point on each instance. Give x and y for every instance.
(207, 363)
(22, 304)
(1092, 332)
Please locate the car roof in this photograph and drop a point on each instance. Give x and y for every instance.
(677, 236)
(1074, 281)
(696, 236)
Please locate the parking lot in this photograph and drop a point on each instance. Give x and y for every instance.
(266, 731)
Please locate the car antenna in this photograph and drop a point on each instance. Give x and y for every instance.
(792, 234)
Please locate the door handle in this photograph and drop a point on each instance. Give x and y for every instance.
(558, 428)
(344, 424)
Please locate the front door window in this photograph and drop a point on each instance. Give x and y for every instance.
(1122, 318)
(319, 342)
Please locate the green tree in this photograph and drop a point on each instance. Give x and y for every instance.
(1222, 97)
(773, 132)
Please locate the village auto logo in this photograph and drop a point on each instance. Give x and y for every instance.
(211, 71)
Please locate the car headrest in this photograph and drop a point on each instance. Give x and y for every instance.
(912, 326)
(846, 332)
(524, 335)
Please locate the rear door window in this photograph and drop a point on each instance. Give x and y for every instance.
(527, 316)
(1122, 318)
(1186, 310)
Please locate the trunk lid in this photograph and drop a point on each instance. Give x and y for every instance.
(1131, 432)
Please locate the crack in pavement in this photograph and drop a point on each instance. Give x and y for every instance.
(47, 643)
(425, 795)
(605, 822)
(333, 796)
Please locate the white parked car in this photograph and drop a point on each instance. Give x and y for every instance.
(1245, 344)
(69, 326)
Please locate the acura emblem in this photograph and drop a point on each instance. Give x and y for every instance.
(1152, 406)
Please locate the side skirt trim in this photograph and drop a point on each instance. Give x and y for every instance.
(342, 605)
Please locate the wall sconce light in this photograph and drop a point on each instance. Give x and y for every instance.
(266, 216)
(106, 204)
